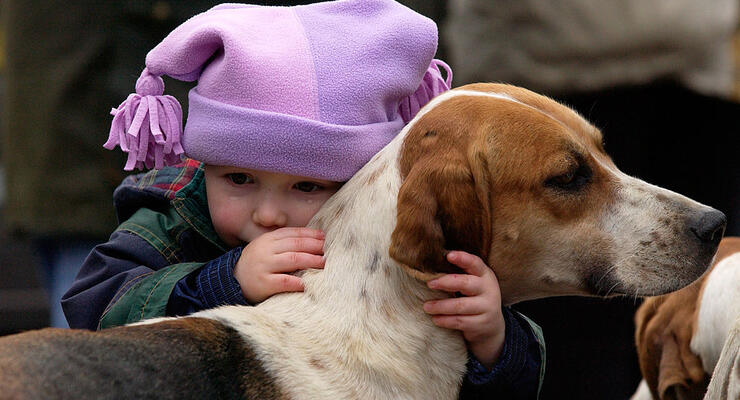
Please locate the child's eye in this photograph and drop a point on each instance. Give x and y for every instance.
(240, 179)
(307, 187)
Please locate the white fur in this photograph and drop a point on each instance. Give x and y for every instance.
(719, 311)
(725, 383)
(636, 219)
(642, 392)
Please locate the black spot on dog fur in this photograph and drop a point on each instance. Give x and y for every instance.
(374, 261)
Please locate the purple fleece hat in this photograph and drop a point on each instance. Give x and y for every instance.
(311, 90)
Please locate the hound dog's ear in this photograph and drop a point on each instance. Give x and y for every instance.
(674, 380)
(443, 204)
(663, 336)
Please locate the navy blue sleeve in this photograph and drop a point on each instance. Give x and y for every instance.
(108, 271)
(516, 373)
(211, 286)
(112, 268)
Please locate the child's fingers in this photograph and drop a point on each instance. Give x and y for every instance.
(299, 244)
(296, 232)
(455, 306)
(468, 285)
(458, 322)
(285, 283)
(469, 263)
(293, 261)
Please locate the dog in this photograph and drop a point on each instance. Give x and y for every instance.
(495, 170)
(681, 336)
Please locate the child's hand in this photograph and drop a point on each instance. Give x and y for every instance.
(264, 265)
(477, 313)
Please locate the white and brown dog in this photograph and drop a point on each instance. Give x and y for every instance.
(494, 170)
(686, 337)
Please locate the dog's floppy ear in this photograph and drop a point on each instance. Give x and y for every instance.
(674, 380)
(671, 370)
(443, 204)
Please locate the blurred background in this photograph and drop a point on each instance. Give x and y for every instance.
(659, 78)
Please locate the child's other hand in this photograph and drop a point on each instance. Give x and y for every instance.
(265, 263)
(477, 313)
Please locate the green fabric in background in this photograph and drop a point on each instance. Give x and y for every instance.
(67, 64)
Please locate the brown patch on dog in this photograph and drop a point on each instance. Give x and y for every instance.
(316, 363)
(376, 173)
(319, 221)
(388, 311)
(338, 211)
(443, 201)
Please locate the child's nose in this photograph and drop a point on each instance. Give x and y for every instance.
(269, 215)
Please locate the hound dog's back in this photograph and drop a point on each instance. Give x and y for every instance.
(192, 358)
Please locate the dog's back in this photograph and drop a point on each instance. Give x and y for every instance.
(179, 359)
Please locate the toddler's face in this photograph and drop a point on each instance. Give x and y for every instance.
(246, 203)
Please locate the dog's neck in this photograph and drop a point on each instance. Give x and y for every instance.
(362, 313)
(363, 309)
(358, 221)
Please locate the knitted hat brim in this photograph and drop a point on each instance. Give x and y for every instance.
(217, 133)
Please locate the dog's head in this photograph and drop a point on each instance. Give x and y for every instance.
(525, 183)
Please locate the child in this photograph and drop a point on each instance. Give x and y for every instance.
(290, 102)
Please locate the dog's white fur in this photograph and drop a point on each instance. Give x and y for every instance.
(717, 336)
(719, 311)
(725, 383)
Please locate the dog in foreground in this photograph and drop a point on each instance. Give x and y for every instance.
(490, 169)
(689, 336)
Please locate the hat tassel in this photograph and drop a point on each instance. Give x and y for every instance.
(431, 85)
(147, 126)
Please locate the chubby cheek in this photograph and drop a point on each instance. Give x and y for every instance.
(228, 220)
(305, 210)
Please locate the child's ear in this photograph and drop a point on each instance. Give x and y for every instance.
(442, 205)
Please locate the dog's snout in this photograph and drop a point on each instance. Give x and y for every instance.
(709, 226)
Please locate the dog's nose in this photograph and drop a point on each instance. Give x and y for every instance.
(709, 226)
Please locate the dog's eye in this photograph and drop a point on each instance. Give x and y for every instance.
(572, 180)
(565, 179)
